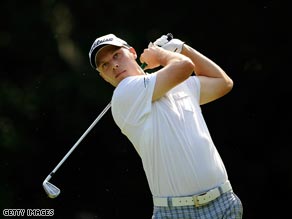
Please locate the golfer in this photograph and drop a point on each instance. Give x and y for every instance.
(160, 114)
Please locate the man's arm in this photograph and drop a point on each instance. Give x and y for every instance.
(215, 83)
(176, 68)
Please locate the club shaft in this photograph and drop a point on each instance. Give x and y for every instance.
(78, 142)
(81, 138)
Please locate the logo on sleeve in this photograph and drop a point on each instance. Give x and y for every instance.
(146, 81)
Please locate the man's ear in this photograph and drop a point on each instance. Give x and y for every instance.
(133, 51)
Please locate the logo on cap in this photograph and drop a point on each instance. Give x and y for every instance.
(99, 41)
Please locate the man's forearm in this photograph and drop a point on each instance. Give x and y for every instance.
(203, 65)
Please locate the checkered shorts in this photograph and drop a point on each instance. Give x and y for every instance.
(227, 206)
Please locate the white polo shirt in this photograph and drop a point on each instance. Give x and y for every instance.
(170, 135)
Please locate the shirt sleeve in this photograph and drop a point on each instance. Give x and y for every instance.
(194, 86)
(132, 100)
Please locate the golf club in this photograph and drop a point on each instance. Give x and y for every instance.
(52, 190)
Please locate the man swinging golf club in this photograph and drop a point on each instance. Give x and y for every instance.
(160, 114)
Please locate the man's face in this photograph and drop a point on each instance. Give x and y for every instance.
(116, 63)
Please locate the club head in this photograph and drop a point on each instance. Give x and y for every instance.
(51, 190)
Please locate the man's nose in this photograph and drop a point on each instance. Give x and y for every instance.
(115, 66)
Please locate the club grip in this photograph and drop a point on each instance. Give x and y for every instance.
(169, 36)
(143, 65)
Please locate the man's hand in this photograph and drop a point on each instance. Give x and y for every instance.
(174, 45)
(152, 56)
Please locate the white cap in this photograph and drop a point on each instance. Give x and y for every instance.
(109, 39)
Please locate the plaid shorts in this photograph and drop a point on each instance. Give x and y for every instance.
(227, 206)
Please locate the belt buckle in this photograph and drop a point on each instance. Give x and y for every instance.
(197, 201)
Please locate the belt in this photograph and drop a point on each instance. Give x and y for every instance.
(196, 200)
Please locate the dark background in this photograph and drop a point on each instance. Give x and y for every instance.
(49, 96)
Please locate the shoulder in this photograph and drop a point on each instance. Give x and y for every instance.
(133, 84)
(132, 99)
(134, 89)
